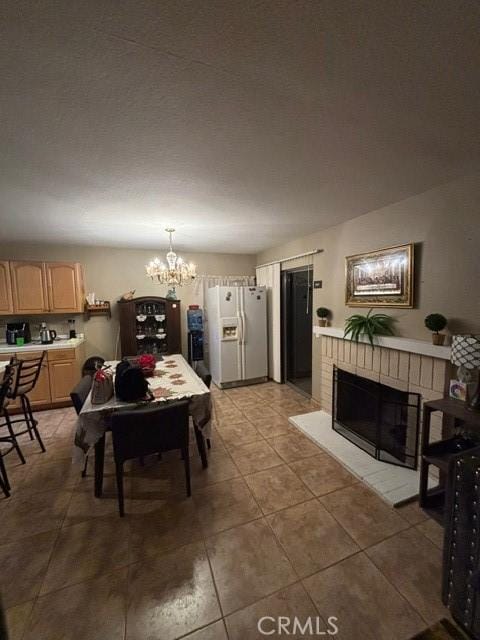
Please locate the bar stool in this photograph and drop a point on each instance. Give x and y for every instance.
(25, 376)
(9, 439)
(3, 478)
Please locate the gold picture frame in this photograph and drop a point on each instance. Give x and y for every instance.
(382, 278)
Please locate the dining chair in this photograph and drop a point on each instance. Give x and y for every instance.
(205, 375)
(24, 379)
(78, 395)
(91, 365)
(10, 440)
(153, 430)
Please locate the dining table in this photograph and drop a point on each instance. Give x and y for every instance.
(173, 379)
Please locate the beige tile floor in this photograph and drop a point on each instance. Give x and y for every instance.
(275, 527)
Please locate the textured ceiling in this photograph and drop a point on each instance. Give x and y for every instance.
(242, 123)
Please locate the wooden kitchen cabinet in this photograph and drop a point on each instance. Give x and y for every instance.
(6, 299)
(61, 370)
(29, 287)
(64, 370)
(65, 287)
(63, 377)
(41, 287)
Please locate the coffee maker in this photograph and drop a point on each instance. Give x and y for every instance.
(18, 330)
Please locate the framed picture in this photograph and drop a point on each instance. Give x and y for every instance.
(382, 278)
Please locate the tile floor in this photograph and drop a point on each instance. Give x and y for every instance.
(275, 527)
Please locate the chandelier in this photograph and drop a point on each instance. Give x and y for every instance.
(176, 272)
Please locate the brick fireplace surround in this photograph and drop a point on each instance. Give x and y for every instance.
(401, 363)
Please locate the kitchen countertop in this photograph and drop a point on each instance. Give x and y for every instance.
(36, 346)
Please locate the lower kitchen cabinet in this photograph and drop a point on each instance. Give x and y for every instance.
(61, 370)
(63, 377)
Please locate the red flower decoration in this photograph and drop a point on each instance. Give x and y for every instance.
(147, 361)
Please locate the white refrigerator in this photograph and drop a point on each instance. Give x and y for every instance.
(237, 335)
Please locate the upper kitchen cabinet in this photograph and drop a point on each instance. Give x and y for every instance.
(6, 300)
(29, 287)
(65, 287)
(41, 287)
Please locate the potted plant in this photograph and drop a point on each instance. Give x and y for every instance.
(323, 314)
(436, 322)
(376, 324)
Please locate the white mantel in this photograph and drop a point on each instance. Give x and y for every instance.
(391, 342)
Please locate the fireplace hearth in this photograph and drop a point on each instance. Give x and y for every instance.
(379, 419)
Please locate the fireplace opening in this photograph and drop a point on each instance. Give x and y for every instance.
(379, 419)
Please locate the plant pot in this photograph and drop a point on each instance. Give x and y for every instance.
(438, 338)
(322, 322)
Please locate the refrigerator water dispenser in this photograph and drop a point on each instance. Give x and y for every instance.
(229, 328)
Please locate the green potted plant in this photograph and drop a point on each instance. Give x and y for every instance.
(376, 324)
(323, 314)
(436, 322)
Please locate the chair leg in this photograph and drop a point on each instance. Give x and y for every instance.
(27, 409)
(3, 487)
(13, 437)
(186, 462)
(201, 446)
(209, 446)
(85, 467)
(119, 474)
(4, 483)
(99, 463)
(27, 419)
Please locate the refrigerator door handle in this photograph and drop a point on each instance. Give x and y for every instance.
(241, 363)
(240, 328)
(244, 324)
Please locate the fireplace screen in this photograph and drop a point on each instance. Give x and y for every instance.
(379, 419)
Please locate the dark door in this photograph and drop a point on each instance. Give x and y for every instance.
(297, 328)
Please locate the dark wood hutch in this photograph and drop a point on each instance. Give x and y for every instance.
(149, 325)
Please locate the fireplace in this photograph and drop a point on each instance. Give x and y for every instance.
(379, 419)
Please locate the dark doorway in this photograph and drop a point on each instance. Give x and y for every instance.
(297, 328)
